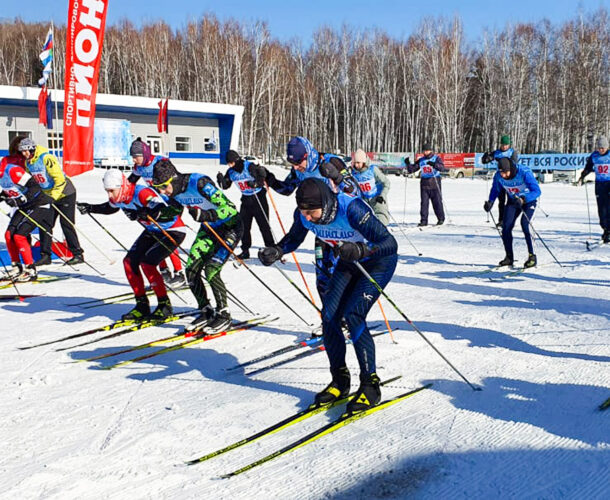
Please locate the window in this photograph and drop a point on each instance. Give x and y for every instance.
(183, 143)
(55, 140)
(155, 144)
(14, 133)
(210, 143)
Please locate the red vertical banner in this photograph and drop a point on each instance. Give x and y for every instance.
(42, 106)
(165, 117)
(160, 117)
(84, 40)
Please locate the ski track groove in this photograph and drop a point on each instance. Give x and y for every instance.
(116, 426)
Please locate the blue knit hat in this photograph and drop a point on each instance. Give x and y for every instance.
(296, 151)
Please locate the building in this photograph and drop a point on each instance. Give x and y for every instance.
(199, 133)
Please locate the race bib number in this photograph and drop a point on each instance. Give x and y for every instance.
(513, 190)
(12, 193)
(603, 169)
(427, 169)
(39, 178)
(365, 187)
(243, 185)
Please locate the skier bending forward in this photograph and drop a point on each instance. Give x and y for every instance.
(349, 225)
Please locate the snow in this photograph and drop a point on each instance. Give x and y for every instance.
(538, 343)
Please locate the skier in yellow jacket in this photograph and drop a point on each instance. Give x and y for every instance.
(47, 171)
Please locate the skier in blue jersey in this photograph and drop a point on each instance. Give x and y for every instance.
(431, 166)
(208, 205)
(374, 185)
(599, 162)
(139, 202)
(349, 226)
(307, 162)
(523, 192)
(504, 151)
(253, 199)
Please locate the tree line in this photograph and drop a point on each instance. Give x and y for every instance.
(545, 85)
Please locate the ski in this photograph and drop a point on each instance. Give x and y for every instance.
(138, 326)
(114, 299)
(198, 337)
(105, 328)
(592, 245)
(311, 342)
(315, 348)
(310, 411)
(14, 296)
(605, 405)
(343, 420)
(41, 279)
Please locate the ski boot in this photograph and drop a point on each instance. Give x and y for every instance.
(244, 255)
(220, 322)
(28, 274)
(506, 261)
(337, 389)
(163, 310)
(139, 312)
(367, 396)
(15, 270)
(77, 259)
(440, 222)
(203, 319)
(531, 261)
(45, 260)
(606, 236)
(422, 224)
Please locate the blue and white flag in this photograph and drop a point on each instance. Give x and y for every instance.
(46, 57)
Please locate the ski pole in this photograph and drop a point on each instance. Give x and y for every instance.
(296, 286)
(404, 200)
(540, 237)
(107, 232)
(381, 291)
(487, 182)
(294, 255)
(65, 217)
(438, 185)
(12, 280)
(65, 261)
(404, 234)
(169, 236)
(588, 210)
(227, 247)
(493, 220)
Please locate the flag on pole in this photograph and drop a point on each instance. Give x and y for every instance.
(42, 106)
(49, 111)
(162, 120)
(46, 57)
(165, 118)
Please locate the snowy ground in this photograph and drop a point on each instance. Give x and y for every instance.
(538, 344)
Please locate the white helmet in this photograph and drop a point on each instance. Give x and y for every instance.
(113, 179)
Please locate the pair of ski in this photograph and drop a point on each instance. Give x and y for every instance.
(343, 420)
(189, 338)
(40, 279)
(114, 299)
(592, 245)
(124, 326)
(315, 345)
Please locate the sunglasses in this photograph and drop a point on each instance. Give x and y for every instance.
(164, 184)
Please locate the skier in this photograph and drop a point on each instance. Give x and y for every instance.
(143, 165)
(46, 170)
(349, 226)
(523, 192)
(431, 166)
(253, 199)
(206, 204)
(306, 163)
(599, 161)
(374, 185)
(139, 202)
(504, 151)
(32, 206)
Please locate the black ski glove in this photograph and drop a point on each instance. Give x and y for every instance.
(268, 255)
(520, 200)
(487, 158)
(131, 214)
(487, 206)
(83, 208)
(328, 170)
(380, 199)
(199, 215)
(431, 163)
(350, 251)
(258, 171)
(407, 162)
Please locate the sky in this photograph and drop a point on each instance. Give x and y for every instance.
(290, 19)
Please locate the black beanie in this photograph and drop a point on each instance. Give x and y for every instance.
(163, 171)
(232, 156)
(427, 146)
(504, 164)
(310, 194)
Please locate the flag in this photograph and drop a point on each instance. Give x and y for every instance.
(160, 117)
(46, 57)
(49, 111)
(165, 118)
(84, 41)
(42, 106)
